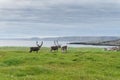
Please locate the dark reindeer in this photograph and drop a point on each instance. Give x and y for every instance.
(36, 48)
(55, 48)
(64, 48)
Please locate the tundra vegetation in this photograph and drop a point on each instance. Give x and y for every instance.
(76, 64)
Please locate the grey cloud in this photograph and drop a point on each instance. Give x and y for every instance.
(64, 12)
(58, 15)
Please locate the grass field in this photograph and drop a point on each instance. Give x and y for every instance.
(77, 64)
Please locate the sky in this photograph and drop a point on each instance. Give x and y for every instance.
(50, 18)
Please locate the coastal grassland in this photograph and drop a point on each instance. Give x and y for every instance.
(16, 63)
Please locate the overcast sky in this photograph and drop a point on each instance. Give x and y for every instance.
(43, 18)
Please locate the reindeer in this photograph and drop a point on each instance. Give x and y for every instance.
(112, 49)
(115, 49)
(63, 48)
(55, 48)
(36, 48)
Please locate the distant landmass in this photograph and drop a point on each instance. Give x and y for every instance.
(82, 39)
(101, 43)
(71, 38)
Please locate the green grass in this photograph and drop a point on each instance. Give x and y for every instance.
(77, 64)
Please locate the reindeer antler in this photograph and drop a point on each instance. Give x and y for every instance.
(37, 43)
(41, 43)
(55, 43)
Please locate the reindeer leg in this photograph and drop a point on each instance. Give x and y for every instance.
(57, 50)
(30, 51)
(36, 51)
(50, 50)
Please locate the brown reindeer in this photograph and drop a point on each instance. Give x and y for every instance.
(55, 48)
(63, 48)
(36, 48)
(112, 49)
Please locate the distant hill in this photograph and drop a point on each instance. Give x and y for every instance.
(102, 43)
(82, 39)
(71, 38)
(113, 42)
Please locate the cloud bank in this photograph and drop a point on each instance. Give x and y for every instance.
(59, 17)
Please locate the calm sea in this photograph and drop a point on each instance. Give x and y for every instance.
(25, 43)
